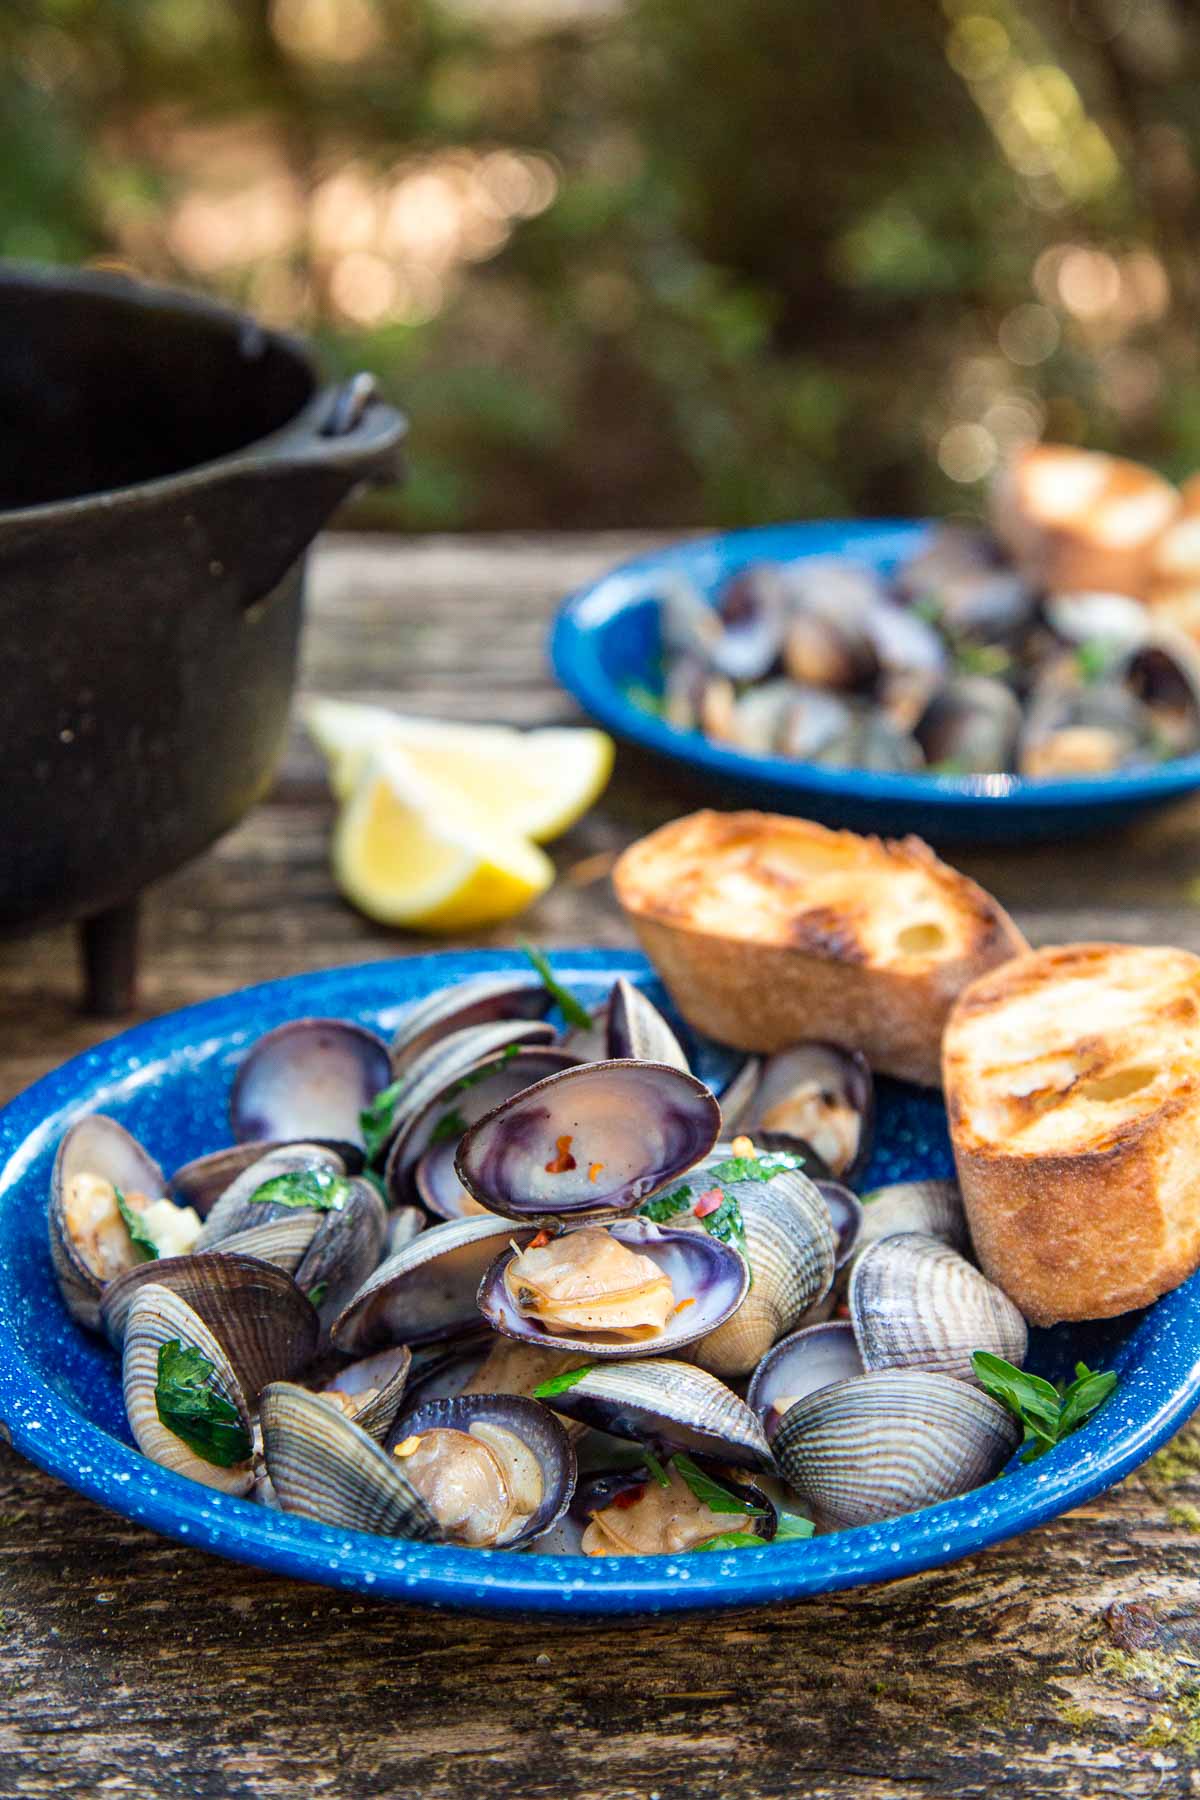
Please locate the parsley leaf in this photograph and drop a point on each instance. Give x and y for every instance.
(1094, 658)
(792, 1527)
(732, 1540)
(726, 1224)
(710, 1493)
(570, 1008)
(1048, 1413)
(317, 1294)
(753, 1168)
(195, 1410)
(558, 1384)
(666, 1206)
(376, 1120)
(139, 1237)
(655, 1467)
(449, 1128)
(321, 1189)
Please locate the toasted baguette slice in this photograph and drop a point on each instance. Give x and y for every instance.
(1073, 1087)
(768, 930)
(1075, 520)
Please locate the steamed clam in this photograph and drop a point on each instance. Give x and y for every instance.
(311, 1078)
(816, 1095)
(917, 1304)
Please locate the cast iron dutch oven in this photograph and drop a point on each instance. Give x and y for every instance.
(164, 464)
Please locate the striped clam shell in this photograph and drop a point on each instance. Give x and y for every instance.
(701, 1270)
(791, 1249)
(480, 1000)
(917, 1304)
(201, 1182)
(95, 1145)
(888, 1442)
(427, 1291)
(933, 1207)
(157, 1317)
(810, 1359)
(537, 1428)
(668, 1402)
(386, 1373)
(325, 1466)
(309, 1078)
(268, 1329)
(237, 1210)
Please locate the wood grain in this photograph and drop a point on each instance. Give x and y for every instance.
(129, 1666)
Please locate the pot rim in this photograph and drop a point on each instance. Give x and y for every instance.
(134, 292)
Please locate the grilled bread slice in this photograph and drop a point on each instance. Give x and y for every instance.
(768, 930)
(1075, 520)
(1072, 1081)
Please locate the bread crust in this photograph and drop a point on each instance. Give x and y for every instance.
(1074, 1214)
(815, 969)
(1066, 543)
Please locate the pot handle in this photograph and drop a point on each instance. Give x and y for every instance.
(280, 493)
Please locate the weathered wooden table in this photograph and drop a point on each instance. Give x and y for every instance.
(1065, 1663)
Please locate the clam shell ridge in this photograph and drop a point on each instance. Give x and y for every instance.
(700, 1269)
(917, 1304)
(158, 1317)
(885, 1443)
(625, 1129)
(665, 1401)
(791, 1248)
(326, 1467)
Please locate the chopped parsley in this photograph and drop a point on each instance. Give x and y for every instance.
(376, 1121)
(139, 1237)
(449, 1128)
(753, 1168)
(571, 1009)
(191, 1406)
(710, 1493)
(558, 1384)
(322, 1190)
(792, 1527)
(317, 1294)
(655, 1467)
(732, 1540)
(724, 1222)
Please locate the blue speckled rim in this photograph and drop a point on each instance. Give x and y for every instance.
(575, 651)
(159, 1063)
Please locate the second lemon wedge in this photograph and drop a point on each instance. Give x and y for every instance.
(409, 851)
(534, 784)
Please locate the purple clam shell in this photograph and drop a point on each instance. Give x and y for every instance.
(812, 1358)
(308, 1079)
(701, 1269)
(471, 1093)
(845, 1209)
(427, 1291)
(482, 1000)
(438, 1187)
(529, 1420)
(632, 1127)
(636, 1028)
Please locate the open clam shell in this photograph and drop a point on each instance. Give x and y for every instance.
(710, 1281)
(267, 1327)
(343, 1250)
(659, 1533)
(810, 1359)
(237, 1210)
(934, 1208)
(94, 1145)
(325, 1466)
(663, 1401)
(791, 1249)
(890, 1441)
(436, 1069)
(534, 1425)
(427, 1291)
(589, 1142)
(637, 1029)
(158, 1317)
(438, 1187)
(374, 1388)
(201, 1182)
(820, 1095)
(448, 1108)
(308, 1079)
(846, 1212)
(917, 1304)
(403, 1225)
(480, 1000)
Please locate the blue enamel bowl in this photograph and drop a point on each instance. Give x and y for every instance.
(605, 640)
(168, 1082)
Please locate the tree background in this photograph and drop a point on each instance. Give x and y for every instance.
(654, 262)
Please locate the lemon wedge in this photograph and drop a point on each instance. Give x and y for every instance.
(533, 784)
(409, 852)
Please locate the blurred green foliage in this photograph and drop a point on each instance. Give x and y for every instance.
(738, 259)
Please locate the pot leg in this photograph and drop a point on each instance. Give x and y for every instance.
(109, 943)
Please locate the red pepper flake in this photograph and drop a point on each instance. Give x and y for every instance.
(594, 1171)
(707, 1203)
(564, 1161)
(683, 1304)
(629, 1496)
(540, 1241)
(842, 1310)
